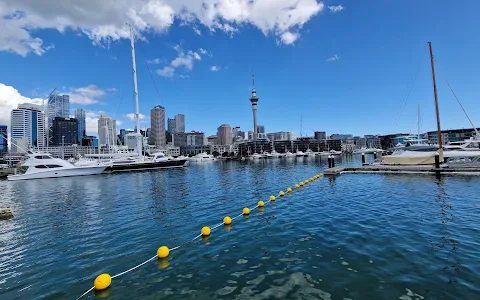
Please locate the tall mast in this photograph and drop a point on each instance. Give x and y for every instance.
(418, 125)
(439, 131)
(139, 138)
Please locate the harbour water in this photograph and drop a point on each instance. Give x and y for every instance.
(347, 237)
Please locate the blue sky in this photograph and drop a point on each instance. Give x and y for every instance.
(344, 71)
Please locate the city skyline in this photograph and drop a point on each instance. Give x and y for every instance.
(336, 77)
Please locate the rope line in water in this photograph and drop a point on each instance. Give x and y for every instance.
(103, 281)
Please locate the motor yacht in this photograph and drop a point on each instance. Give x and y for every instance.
(267, 155)
(309, 152)
(201, 157)
(255, 156)
(300, 154)
(289, 154)
(42, 165)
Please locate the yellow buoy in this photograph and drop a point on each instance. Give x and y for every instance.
(102, 282)
(282, 193)
(306, 181)
(315, 177)
(272, 198)
(261, 204)
(321, 175)
(297, 186)
(246, 211)
(206, 231)
(289, 190)
(311, 179)
(163, 252)
(301, 183)
(227, 220)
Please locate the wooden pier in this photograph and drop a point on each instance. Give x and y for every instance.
(416, 169)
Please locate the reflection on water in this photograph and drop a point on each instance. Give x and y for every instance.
(345, 237)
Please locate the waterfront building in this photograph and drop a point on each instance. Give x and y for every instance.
(212, 140)
(224, 135)
(3, 140)
(65, 131)
(89, 141)
(179, 123)
(238, 135)
(281, 136)
(157, 120)
(320, 135)
(451, 135)
(107, 131)
(58, 106)
(193, 138)
(302, 144)
(82, 125)
(254, 101)
(338, 136)
(27, 127)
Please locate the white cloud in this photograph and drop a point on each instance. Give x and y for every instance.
(214, 68)
(333, 58)
(289, 38)
(202, 51)
(183, 59)
(166, 72)
(10, 98)
(154, 61)
(335, 9)
(87, 95)
(104, 21)
(132, 116)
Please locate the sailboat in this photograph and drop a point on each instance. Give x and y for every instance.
(142, 163)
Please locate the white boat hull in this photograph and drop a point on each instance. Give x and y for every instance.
(52, 173)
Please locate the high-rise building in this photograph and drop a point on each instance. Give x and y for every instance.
(171, 126)
(320, 135)
(65, 131)
(157, 120)
(27, 127)
(82, 123)
(254, 101)
(179, 123)
(58, 106)
(3, 139)
(224, 135)
(107, 131)
(185, 139)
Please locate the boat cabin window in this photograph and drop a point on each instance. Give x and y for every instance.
(43, 157)
(47, 166)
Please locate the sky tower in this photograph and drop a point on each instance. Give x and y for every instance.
(254, 101)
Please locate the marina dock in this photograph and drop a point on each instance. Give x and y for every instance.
(415, 169)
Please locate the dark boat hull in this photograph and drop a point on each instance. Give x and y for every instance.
(145, 166)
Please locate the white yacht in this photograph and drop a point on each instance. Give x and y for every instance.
(255, 156)
(333, 152)
(289, 154)
(267, 155)
(309, 152)
(367, 151)
(472, 144)
(275, 154)
(202, 157)
(300, 154)
(41, 165)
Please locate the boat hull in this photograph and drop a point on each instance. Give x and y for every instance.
(78, 171)
(145, 166)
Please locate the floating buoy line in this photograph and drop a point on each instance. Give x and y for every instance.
(104, 281)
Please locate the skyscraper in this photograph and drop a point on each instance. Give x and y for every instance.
(27, 127)
(224, 135)
(107, 131)
(179, 123)
(82, 125)
(65, 131)
(58, 106)
(3, 139)
(157, 120)
(171, 126)
(254, 101)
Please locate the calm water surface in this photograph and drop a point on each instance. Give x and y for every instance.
(349, 237)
